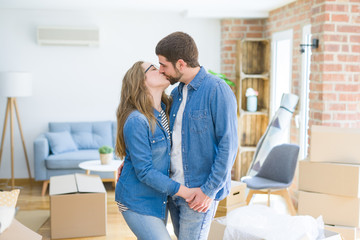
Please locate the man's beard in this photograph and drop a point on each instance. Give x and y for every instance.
(175, 79)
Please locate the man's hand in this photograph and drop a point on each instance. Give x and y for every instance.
(198, 201)
(119, 171)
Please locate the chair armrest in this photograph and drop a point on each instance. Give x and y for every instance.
(41, 152)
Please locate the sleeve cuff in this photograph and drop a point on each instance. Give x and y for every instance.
(175, 188)
(211, 193)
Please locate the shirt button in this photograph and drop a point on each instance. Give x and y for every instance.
(164, 202)
(179, 99)
(153, 141)
(173, 115)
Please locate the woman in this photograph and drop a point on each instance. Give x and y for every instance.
(143, 138)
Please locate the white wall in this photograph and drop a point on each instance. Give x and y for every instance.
(82, 83)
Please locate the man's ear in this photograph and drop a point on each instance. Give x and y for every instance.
(181, 64)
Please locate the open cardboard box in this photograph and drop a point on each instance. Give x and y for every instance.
(347, 233)
(77, 206)
(17, 231)
(217, 230)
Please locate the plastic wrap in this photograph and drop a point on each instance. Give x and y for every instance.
(256, 222)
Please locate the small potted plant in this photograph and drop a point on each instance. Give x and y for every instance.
(106, 154)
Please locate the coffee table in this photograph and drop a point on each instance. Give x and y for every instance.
(96, 166)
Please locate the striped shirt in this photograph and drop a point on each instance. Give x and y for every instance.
(165, 123)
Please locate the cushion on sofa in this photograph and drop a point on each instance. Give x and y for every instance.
(61, 142)
(87, 135)
(70, 160)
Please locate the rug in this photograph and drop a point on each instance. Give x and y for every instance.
(33, 219)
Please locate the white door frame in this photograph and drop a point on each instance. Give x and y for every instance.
(302, 120)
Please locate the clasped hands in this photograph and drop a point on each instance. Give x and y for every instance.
(197, 200)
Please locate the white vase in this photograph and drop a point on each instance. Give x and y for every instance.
(106, 158)
(251, 103)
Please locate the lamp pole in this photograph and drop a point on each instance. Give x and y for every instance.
(11, 105)
(12, 85)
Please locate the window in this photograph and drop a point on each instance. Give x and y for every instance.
(281, 69)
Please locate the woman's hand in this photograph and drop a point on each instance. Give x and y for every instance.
(119, 171)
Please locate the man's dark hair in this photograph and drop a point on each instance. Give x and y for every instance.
(178, 45)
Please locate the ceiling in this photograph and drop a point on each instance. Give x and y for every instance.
(189, 8)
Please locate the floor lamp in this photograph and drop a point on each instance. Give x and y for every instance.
(13, 85)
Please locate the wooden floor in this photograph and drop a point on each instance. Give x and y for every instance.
(30, 199)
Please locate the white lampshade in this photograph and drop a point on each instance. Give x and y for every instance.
(15, 84)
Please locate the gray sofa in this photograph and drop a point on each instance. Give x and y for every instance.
(67, 144)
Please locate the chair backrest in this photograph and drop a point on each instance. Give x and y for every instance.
(280, 164)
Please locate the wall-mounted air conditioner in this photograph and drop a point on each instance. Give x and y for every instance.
(68, 36)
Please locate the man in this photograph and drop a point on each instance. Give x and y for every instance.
(203, 125)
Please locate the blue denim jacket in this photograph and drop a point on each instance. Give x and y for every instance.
(144, 183)
(209, 133)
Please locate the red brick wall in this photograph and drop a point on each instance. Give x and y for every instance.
(233, 30)
(292, 16)
(335, 68)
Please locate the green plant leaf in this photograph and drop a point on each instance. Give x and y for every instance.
(105, 150)
(223, 77)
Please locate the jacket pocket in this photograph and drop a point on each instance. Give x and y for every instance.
(158, 150)
(199, 120)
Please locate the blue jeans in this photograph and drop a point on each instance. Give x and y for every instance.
(146, 227)
(189, 224)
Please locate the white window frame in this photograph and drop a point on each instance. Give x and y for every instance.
(278, 36)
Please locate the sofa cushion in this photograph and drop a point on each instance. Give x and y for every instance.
(61, 142)
(86, 135)
(70, 160)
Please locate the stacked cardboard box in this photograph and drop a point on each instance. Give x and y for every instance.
(329, 182)
(235, 199)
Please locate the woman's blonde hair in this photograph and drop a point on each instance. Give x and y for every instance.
(135, 96)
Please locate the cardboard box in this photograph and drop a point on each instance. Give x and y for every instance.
(217, 232)
(347, 233)
(223, 211)
(331, 144)
(330, 178)
(18, 231)
(236, 195)
(335, 210)
(77, 206)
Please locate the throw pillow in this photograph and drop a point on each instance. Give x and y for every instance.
(61, 142)
(9, 199)
(6, 217)
(7, 208)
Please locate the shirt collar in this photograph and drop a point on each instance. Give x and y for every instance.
(196, 82)
(157, 113)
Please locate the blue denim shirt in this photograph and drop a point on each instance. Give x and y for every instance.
(144, 183)
(209, 133)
